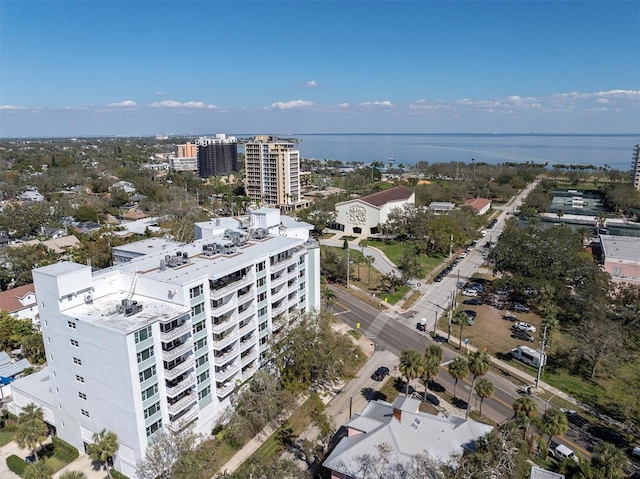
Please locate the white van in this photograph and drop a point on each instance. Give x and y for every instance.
(529, 356)
(562, 452)
(470, 292)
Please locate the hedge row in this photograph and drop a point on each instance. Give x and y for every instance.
(16, 464)
(63, 450)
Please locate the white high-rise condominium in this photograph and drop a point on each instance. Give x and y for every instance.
(166, 337)
(272, 171)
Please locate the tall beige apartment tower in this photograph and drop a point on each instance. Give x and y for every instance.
(185, 151)
(273, 173)
(635, 167)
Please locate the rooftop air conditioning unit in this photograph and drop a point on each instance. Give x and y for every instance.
(88, 298)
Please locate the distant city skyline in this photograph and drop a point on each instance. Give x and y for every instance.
(141, 68)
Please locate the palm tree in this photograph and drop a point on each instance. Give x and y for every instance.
(560, 213)
(479, 364)
(411, 365)
(554, 423)
(72, 475)
(458, 369)
(484, 389)
(329, 296)
(31, 411)
(364, 243)
(370, 260)
(32, 429)
(610, 461)
(461, 319)
(525, 411)
(104, 447)
(432, 360)
(601, 220)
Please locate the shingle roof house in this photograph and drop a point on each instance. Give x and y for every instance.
(406, 431)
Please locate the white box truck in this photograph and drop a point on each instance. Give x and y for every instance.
(529, 356)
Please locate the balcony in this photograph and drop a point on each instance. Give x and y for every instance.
(225, 341)
(183, 385)
(278, 280)
(175, 333)
(284, 263)
(226, 356)
(246, 327)
(249, 371)
(225, 390)
(293, 273)
(225, 324)
(249, 357)
(281, 293)
(223, 308)
(279, 309)
(278, 323)
(178, 406)
(226, 372)
(247, 341)
(183, 367)
(178, 351)
(186, 417)
(232, 286)
(246, 313)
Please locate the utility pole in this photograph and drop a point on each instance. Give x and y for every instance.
(543, 355)
(450, 246)
(348, 265)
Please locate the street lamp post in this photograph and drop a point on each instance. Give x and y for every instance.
(348, 265)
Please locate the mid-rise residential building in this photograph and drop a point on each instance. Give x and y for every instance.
(273, 173)
(217, 156)
(183, 163)
(165, 336)
(635, 167)
(185, 151)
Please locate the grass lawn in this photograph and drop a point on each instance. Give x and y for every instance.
(355, 334)
(6, 437)
(393, 251)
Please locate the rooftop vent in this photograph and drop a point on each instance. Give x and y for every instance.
(174, 261)
(128, 307)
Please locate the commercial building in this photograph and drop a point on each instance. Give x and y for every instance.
(217, 156)
(635, 167)
(273, 173)
(363, 215)
(165, 337)
(621, 258)
(183, 163)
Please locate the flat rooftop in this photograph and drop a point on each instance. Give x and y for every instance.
(149, 245)
(620, 247)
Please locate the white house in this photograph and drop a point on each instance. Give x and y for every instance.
(20, 302)
(363, 215)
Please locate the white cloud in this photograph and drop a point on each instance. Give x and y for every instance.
(12, 108)
(291, 105)
(126, 103)
(602, 100)
(159, 93)
(377, 103)
(187, 104)
(311, 84)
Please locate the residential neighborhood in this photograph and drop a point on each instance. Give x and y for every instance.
(411, 321)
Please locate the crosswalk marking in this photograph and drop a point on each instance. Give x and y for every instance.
(377, 325)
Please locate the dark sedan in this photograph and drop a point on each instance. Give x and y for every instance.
(381, 373)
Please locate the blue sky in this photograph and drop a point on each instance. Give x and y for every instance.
(122, 67)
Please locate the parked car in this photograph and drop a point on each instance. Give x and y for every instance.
(522, 326)
(477, 286)
(421, 326)
(561, 452)
(520, 308)
(516, 298)
(470, 292)
(608, 435)
(380, 373)
(635, 452)
(473, 302)
(576, 419)
(30, 459)
(463, 255)
(510, 317)
(517, 334)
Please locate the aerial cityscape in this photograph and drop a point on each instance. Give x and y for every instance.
(337, 240)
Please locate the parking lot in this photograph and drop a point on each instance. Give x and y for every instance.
(490, 329)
